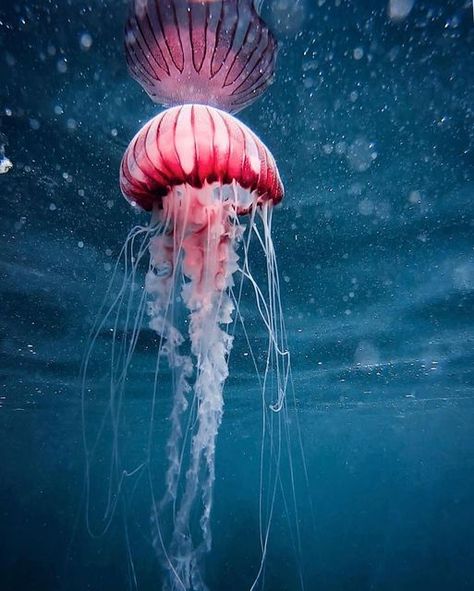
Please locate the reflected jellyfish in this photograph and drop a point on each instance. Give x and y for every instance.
(210, 185)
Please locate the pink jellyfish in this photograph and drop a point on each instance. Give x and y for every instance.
(206, 178)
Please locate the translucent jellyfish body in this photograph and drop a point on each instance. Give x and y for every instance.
(210, 185)
(198, 169)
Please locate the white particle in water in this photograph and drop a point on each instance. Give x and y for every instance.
(10, 59)
(366, 207)
(398, 10)
(366, 355)
(327, 148)
(414, 197)
(5, 164)
(383, 210)
(85, 41)
(361, 154)
(358, 53)
(287, 16)
(356, 189)
(463, 276)
(62, 66)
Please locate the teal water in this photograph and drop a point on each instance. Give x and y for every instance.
(371, 122)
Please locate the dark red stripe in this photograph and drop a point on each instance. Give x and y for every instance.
(213, 177)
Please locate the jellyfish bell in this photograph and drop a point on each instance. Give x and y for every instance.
(195, 146)
(197, 169)
(215, 52)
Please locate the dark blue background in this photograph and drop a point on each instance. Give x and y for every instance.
(371, 123)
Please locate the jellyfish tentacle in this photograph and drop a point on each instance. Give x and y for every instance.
(201, 245)
(183, 51)
(162, 279)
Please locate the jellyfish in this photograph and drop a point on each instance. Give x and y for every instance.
(210, 185)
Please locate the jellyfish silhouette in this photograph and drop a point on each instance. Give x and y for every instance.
(206, 178)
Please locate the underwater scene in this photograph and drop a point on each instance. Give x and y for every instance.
(236, 295)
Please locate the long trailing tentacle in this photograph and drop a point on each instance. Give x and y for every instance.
(120, 318)
(199, 265)
(279, 410)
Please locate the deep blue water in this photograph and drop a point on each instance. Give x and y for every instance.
(371, 121)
